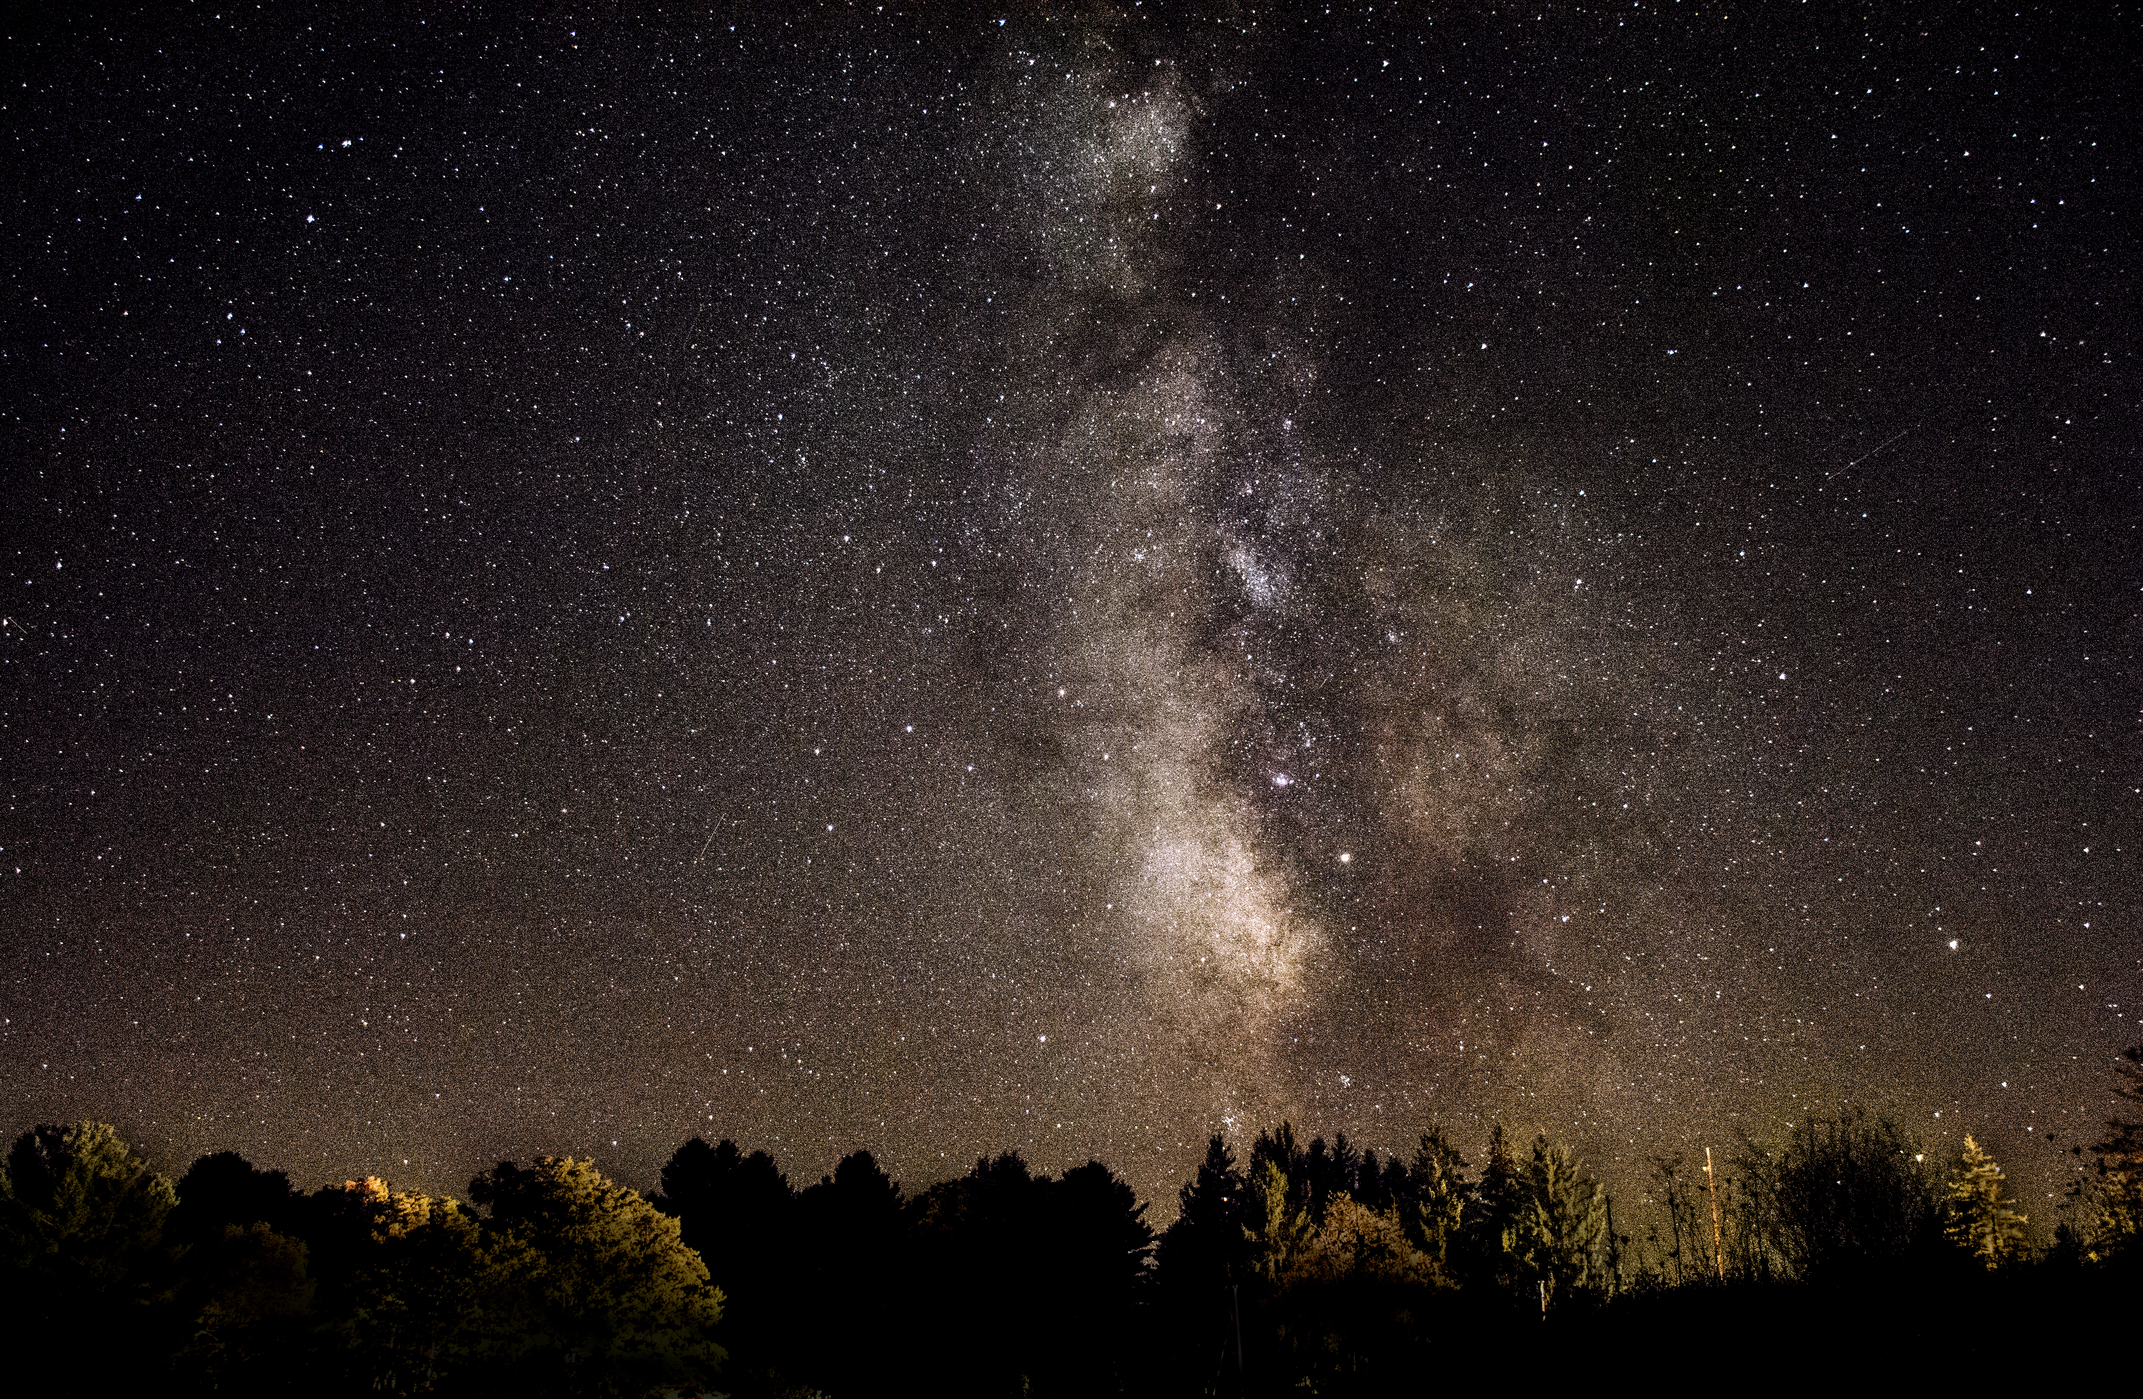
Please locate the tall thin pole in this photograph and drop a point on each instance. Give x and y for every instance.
(1711, 1184)
(1235, 1304)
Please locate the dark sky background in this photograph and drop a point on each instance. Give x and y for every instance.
(920, 582)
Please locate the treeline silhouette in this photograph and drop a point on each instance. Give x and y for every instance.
(1297, 1268)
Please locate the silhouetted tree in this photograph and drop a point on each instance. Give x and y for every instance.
(978, 1325)
(1688, 1246)
(1327, 1172)
(839, 1325)
(1017, 1278)
(2110, 1229)
(245, 1293)
(224, 1189)
(1368, 1187)
(734, 1208)
(245, 1303)
(1491, 1232)
(1201, 1258)
(1205, 1247)
(1280, 1147)
(1096, 1245)
(1846, 1196)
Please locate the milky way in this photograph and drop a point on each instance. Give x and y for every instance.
(949, 586)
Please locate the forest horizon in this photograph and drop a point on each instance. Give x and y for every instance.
(1350, 1270)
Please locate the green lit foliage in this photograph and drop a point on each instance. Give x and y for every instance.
(1561, 1234)
(84, 1267)
(1535, 1225)
(573, 1284)
(1980, 1220)
(81, 1220)
(1280, 1226)
(586, 1286)
(1435, 1197)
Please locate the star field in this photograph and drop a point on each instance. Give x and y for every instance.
(954, 583)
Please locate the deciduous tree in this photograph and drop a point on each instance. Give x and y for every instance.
(587, 1286)
(81, 1219)
(82, 1243)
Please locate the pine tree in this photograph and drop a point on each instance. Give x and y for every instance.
(1370, 1186)
(2115, 1230)
(1564, 1224)
(1280, 1228)
(1980, 1220)
(1206, 1247)
(1279, 1148)
(1491, 1231)
(1437, 1193)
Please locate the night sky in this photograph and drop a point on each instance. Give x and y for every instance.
(944, 584)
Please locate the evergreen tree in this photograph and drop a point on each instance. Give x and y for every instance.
(1369, 1187)
(1094, 1251)
(1202, 1261)
(1435, 1196)
(1980, 1220)
(1280, 1225)
(1327, 1172)
(1491, 1234)
(972, 1242)
(1562, 1238)
(1280, 1149)
(838, 1327)
(2111, 1229)
(736, 1212)
(1206, 1246)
